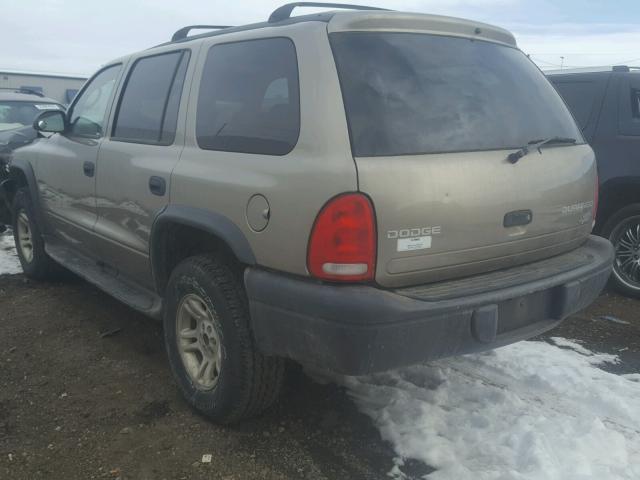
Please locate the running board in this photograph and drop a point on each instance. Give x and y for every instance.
(105, 279)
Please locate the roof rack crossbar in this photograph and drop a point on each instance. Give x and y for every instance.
(284, 12)
(184, 31)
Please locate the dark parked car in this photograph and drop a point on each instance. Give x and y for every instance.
(606, 104)
(18, 109)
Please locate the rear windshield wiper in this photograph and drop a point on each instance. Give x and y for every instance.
(538, 144)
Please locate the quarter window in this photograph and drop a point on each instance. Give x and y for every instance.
(249, 98)
(635, 103)
(629, 106)
(148, 108)
(88, 113)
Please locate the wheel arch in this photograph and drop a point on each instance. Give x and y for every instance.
(616, 194)
(198, 231)
(21, 175)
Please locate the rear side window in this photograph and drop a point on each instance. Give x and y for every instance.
(407, 93)
(580, 97)
(629, 106)
(249, 98)
(635, 103)
(148, 108)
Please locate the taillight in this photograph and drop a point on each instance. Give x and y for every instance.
(342, 246)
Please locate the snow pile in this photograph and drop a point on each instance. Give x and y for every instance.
(9, 262)
(529, 411)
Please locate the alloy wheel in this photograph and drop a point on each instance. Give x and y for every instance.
(25, 241)
(199, 341)
(626, 240)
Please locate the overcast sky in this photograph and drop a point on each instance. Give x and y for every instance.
(77, 36)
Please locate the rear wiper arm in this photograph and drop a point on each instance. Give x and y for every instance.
(537, 144)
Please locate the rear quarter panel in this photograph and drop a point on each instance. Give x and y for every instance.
(296, 185)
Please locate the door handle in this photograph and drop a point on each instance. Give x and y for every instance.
(89, 168)
(157, 186)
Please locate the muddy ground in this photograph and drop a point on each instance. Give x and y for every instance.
(86, 392)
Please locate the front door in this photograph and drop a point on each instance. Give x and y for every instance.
(66, 166)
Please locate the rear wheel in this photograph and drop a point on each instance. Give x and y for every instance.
(210, 346)
(623, 230)
(29, 243)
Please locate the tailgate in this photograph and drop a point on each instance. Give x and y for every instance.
(443, 216)
(432, 120)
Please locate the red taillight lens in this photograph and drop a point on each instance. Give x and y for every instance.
(342, 246)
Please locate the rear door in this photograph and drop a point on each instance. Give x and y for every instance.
(66, 167)
(136, 161)
(432, 120)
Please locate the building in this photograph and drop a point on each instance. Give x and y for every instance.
(60, 87)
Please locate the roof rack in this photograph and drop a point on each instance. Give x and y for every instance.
(27, 91)
(284, 12)
(184, 31)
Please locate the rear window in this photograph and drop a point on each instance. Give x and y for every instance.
(635, 103)
(408, 93)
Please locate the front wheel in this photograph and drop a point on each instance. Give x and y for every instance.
(29, 242)
(209, 343)
(623, 230)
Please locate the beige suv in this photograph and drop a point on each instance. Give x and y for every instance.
(354, 190)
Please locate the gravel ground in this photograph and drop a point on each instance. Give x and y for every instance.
(85, 392)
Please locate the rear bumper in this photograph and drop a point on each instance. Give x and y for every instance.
(356, 330)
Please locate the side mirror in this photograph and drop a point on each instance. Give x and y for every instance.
(51, 121)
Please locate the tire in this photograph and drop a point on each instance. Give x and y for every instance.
(35, 262)
(206, 301)
(623, 230)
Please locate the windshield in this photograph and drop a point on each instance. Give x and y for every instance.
(20, 114)
(407, 93)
